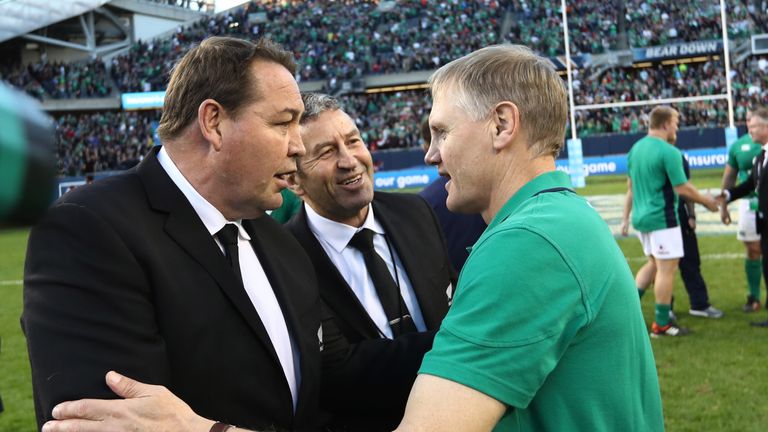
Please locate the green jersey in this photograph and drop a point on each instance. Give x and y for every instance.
(556, 335)
(655, 168)
(740, 157)
(291, 206)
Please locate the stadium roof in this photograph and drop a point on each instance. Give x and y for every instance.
(19, 17)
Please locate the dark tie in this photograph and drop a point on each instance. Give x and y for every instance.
(388, 291)
(228, 238)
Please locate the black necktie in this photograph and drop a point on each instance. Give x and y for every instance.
(228, 238)
(388, 291)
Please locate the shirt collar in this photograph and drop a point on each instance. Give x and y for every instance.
(548, 180)
(211, 217)
(338, 234)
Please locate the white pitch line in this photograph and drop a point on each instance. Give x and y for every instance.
(11, 282)
(714, 257)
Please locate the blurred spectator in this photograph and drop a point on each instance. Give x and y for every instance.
(61, 80)
(103, 141)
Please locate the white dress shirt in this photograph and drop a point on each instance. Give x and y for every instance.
(335, 237)
(256, 283)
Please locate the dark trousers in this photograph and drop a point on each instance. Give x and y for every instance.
(690, 270)
(764, 251)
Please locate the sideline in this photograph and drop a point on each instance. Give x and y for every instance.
(713, 257)
(11, 282)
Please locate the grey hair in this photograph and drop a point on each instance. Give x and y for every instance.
(316, 104)
(761, 113)
(512, 73)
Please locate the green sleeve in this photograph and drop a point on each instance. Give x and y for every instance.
(732, 162)
(512, 318)
(291, 206)
(673, 165)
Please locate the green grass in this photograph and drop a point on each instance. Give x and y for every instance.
(617, 184)
(15, 380)
(713, 380)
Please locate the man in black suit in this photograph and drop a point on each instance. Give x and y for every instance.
(335, 181)
(170, 273)
(758, 129)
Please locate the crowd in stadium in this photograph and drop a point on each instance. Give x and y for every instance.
(60, 80)
(594, 25)
(353, 38)
(341, 40)
(103, 141)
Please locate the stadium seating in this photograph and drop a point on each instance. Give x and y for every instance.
(353, 38)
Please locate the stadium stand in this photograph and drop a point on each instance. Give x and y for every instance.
(338, 42)
(103, 141)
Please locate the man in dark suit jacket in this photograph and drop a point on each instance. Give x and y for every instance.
(758, 181)
(335, 180)
(136, 273)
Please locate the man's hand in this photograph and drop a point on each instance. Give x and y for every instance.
(722, 201)
(725, 215)
(692, 223)
(145, 408)
(711, 203)
(624, 227)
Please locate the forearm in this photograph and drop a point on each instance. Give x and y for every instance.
(741, 190)
(627, 206)
(690, 193)
(729, 178)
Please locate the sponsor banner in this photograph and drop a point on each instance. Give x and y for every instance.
(698, 158)
(146, 100)
(680, 50)
(408, 178)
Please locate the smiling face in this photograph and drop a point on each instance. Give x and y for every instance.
(460, 148)
(336, 176)
(260, 144)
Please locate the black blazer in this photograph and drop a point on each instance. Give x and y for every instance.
(366, 388)
(756, 182)
(123, 275)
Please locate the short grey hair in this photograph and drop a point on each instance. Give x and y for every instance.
(316, 104)
(761, 113)
(513, 73)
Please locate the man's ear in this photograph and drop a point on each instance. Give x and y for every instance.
(506, 124)
(209, 117)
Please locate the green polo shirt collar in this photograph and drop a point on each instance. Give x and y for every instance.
(548, 180)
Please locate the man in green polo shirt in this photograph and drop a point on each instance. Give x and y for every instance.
(545, 332)
(655, 178)
(740, 157)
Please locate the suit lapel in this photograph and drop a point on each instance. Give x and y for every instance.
(405, 240)
(334, 290)
(186, 228)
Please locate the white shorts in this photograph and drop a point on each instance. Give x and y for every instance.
(747, 230)
(663, 244)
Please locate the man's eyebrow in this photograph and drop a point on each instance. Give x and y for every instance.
(320, 147)
(436, 125)
(353, 133)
